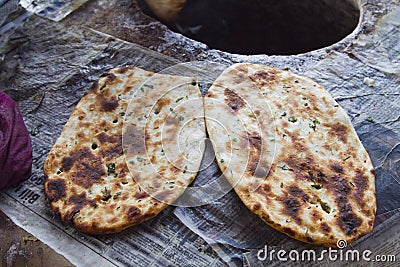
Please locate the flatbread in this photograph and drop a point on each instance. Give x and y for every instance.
(122, 156)
(291, 153)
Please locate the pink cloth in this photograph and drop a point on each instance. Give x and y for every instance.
(15, 144)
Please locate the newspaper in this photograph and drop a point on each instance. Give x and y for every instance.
(161, 242)
(54, 10)
(57, 63)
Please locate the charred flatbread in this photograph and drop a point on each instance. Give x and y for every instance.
(291, 153)
(110, 168)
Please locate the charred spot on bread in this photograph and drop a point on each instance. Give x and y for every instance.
(56, 190)
(233, 100)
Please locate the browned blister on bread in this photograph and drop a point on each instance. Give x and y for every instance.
(99, 173)
(292, 154)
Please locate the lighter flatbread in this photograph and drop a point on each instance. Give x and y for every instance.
(109, 169)
(291, 154)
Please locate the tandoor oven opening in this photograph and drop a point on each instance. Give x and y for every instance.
(272, 27)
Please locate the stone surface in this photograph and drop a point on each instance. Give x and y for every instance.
(20, 248)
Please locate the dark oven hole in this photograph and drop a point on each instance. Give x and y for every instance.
(273, 27)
